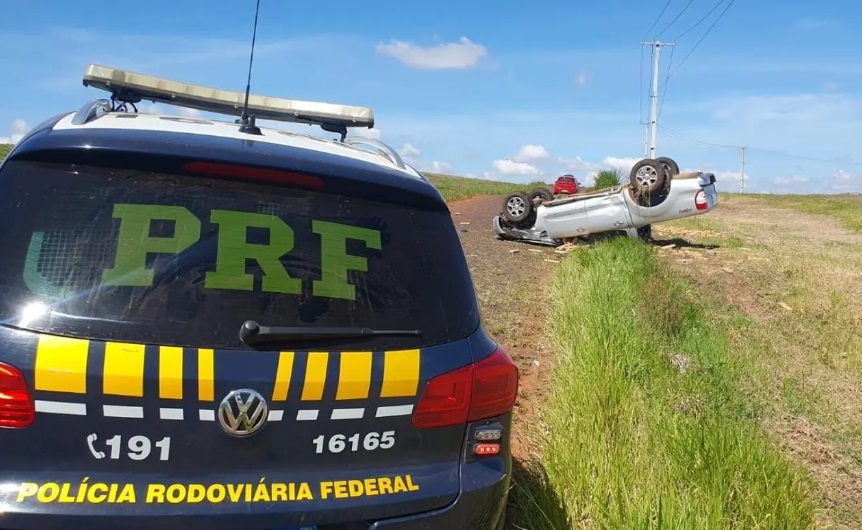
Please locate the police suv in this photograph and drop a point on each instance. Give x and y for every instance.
(214, 325)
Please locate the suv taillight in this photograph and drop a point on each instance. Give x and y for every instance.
(700, 201)
(16, 405)
(472, 393)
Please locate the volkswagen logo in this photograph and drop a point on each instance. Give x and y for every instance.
(243, 412)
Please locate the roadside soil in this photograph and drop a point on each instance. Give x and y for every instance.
(511, 281)
(798, 276)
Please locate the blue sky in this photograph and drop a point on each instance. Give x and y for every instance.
(500, 90)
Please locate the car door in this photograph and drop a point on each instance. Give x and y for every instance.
(606, 213)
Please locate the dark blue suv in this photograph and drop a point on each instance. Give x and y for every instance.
(211, 328)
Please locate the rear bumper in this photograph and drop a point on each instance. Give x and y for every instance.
(479, 505)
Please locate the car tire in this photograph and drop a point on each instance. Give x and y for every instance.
(645, 233)
(670, 166)
(517, 207)
(540, 195)
(647, 176)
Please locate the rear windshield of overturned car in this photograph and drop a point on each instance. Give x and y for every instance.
(166, 259)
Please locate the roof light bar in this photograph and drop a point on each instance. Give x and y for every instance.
(133, 87)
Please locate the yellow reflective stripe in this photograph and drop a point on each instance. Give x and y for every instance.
(282, 376)
(170, 372)
(123, 369)
(315, 376)
(354, 376)
(400, 373)
(61, 364)
(206, 375)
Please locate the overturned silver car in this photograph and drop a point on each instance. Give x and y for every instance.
(656, 192)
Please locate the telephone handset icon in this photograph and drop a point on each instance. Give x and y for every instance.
(97, 454)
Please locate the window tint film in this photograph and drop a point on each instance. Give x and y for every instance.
(143, 257)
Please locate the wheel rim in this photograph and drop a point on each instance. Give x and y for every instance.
(646, 176)
(516, 206)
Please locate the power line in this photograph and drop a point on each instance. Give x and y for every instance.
(701, 39)
(675, 18)
(641, 90)
(784, 154)
(656, 20)
(699, 22)
(666, 78)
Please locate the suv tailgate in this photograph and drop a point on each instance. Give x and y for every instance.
(126, 294)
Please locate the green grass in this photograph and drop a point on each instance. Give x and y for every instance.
(4, 150)
(631, 442)
(607, 178)
(457, 188)
(847, 208)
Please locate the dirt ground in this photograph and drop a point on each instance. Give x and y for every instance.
(511, 281)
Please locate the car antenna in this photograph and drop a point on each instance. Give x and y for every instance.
(246, 122)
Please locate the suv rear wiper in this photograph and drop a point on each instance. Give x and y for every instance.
(253, 333)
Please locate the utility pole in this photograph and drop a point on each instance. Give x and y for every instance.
(742, 172)
(653, 124)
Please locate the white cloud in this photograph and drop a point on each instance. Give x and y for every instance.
(16, 131)
(579, 164)
(532, 153)
(784, 181)
(510, 167)
(374, 134)
(583, 79)
(623, 164)
(408, 151)
(727, 181)
(434, 166)
(846, 182)
(452, 55)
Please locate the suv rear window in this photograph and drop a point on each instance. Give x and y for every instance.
(158, 258)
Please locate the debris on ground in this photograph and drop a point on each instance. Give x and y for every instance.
(552, 260)
(680, 362)
(514, 250)
(534, 250)
(688, 232)
(785, 306)
(565, 249)
(668, 247)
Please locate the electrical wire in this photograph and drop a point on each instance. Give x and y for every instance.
(675, 18)
(657, 19)
(701, 39)
(667, 76)
(641, 90)
(699, 22)
(783, 154)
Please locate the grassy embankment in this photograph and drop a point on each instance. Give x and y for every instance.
(458, 188)
(798, 274)
(847, 208)
(648, 424)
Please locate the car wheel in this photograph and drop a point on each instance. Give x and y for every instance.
(517, 207)
(670, 166)
(645, 233)
(540, 195)
(647, 176)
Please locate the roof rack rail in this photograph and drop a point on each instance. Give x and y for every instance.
(382, 149)
(90, 111)
(130, 87)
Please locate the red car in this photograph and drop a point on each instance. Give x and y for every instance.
(566, 185)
